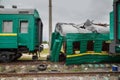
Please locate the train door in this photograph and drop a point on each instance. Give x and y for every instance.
(40, 30)
(23, 32)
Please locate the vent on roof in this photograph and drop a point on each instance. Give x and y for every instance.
(1, 6)
(14, 6)
(23, 12)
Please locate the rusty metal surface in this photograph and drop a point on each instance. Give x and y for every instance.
(57, 74)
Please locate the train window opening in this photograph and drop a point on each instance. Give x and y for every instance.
(76, 47)
(7, 26)
(23, 26)
(90, 45)
(105, 46)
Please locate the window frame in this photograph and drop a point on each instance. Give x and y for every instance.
(21, 28)
(3, 27)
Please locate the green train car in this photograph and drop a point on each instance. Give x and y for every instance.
(79, 48)
(20, 31)
(115, 28)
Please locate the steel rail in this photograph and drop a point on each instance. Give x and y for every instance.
(57, 74)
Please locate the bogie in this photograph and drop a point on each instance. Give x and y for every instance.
(6, 56)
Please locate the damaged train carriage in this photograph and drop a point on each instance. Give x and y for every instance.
(20, 32)
(77, 44)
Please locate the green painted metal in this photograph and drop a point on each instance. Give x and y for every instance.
(23, 39)
(54, 36)
(98, 39)
(117, 48)
(83, 46)
(98, 45)
(86, 36)
(69, 47)
(119, 21)
(83, 39)
(70, 38)
(111, 25)
(56, 48)
(92, 59)
(54, 51)
(8, 42)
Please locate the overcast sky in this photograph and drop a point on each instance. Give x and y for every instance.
(68, 11)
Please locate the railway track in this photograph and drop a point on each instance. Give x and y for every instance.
(57, 74)
(25, 62)
(30, 68)
(32, 62)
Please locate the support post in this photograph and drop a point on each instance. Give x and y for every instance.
(50, 21)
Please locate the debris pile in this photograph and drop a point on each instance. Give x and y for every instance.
(87, 27)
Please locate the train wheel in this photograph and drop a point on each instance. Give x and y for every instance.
(17, 55)
(6, 57)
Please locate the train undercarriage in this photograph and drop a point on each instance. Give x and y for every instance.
(9, 55)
